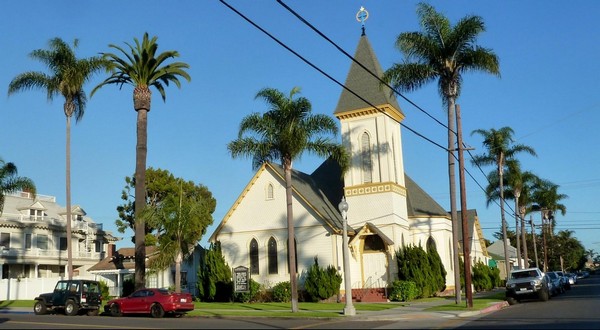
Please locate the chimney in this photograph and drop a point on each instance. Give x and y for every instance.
(111, 250)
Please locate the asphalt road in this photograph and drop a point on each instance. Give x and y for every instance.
(578, 308)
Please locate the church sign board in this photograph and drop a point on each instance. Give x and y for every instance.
(241, 279)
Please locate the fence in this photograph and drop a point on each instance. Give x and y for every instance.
(29, 288)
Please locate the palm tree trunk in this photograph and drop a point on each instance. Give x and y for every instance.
(453, 211)
(524, 240)
(287, 167)
(140, 198)
(504, 235)
(519, 260)
(178, 272)
(68, 197)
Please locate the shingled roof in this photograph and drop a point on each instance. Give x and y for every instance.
(124, 258)
(363, 83)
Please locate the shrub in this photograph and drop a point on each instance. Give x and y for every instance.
(282, 292)
(403, 291)
(250, 296)
(104, 292)
(214, 276)
(322, 283)
(481, 277)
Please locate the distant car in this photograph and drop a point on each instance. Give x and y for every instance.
(156, 302)
(565, 280)
(71, 296)
(555, 284)
(572, 278)
(527, 283)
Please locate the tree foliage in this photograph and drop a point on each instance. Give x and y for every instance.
(214, 276)
(10, 182)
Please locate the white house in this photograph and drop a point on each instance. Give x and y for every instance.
(387, 209)
(33, 239)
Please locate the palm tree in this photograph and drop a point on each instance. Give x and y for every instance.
(10, 182)
(443, 52)
(500, 149)
(67, 76)
(142, 68)
(283, 133)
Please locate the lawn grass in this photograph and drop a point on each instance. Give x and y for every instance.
(478, 303)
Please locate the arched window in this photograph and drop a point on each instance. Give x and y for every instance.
(365, 154)
(270, 191)
(272, 253)
(254, 257)
(295, 254)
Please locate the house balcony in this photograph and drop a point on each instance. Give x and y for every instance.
(52, 254)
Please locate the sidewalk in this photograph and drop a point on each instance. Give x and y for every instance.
(416, 310)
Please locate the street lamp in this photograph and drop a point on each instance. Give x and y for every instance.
(349, 308)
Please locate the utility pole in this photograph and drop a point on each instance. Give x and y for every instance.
(463, 211)
(545, 245)
(522, 210)
(537, 262)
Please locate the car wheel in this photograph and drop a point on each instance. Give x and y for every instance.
(115, 310)
(511, 300)
(71, 308)
(544, 295)
(92, 312)
(40, 308)
(157, 311)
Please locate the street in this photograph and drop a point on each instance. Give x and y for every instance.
(576, 309)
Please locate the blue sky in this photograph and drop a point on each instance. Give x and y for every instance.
(548, 93)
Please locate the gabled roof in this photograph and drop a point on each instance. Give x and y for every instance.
(323, 190)
(473, 225)
(420, 203)
(363, 83)
(124, 258)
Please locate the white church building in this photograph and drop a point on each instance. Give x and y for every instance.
(387, 209)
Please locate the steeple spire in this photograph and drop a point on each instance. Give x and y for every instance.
(362, 16)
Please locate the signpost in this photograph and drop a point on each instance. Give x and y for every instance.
(241, 279)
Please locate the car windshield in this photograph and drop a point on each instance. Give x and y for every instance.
(524, 274)
(552, 275)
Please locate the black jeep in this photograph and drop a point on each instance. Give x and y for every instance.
(72, 297)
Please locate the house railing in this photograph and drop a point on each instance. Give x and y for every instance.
(35, 252)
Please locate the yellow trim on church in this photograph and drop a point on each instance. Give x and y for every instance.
(374, 188)
(385, 108)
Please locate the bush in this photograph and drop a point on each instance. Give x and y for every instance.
(214, 276)
(481, 277)
(250, 296)
(403, 291)
(104, 292)
(282, 292)
(322, 283)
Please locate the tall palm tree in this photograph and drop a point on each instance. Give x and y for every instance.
(67, 76)
(443, 52)
(500, 149)
(283, 133)
(142, 68)
(10, 182)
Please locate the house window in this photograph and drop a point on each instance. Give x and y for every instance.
(295, 255)
(272, 252)
(42, 242)
(62, 244)
(36, 215)
(365, 155)
(28, 241)
(5, 241)
(98, 246)
(254, 257)
(270, 191)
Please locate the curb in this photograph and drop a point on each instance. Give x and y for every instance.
(489, 309)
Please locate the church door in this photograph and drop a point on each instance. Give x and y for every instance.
(375, 270)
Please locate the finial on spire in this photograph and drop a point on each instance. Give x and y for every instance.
(362, 16)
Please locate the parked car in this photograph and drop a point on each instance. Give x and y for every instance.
(572, 278)
(527, 283)
(72, 297)
(555, 284)
(564, 279)
(156, 302)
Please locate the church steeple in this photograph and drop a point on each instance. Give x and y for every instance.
(370, 120)
(364, 84)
